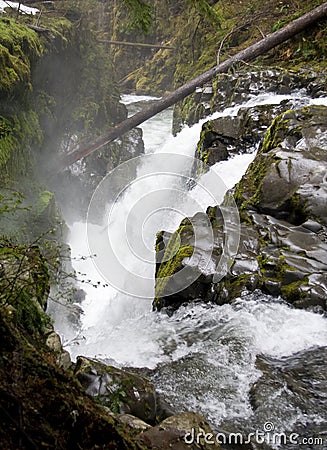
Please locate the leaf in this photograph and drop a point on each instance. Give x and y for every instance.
(141, 14)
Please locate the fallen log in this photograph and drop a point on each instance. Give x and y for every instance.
(136, 44)
(248, 54)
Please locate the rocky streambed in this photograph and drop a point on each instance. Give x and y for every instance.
(282, 205)
(206, 354)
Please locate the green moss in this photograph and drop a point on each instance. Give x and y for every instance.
(24, 285)
(275, 134)
(61, 29)
(298, 210)
(21, 132)
(169, 268)
(172, 260)
(44, 200)
(292, 292)
(247, 192)
(202, 151)
(235, 286)
(19, 46)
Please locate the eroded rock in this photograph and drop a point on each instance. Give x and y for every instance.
(183, 431)
(282, 248)
(292, 388)
(120, 390)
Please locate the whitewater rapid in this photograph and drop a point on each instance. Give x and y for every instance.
(204, 354)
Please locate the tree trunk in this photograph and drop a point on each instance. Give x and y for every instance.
(136, 44)
(248, 54)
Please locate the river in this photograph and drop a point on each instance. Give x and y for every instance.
(204, 358)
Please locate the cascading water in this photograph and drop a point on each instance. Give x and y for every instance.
(203, 358)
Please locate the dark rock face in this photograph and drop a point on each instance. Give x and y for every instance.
(292, 387)
(41, 404)
(230, 89)
(282, 234)
(75, 186)
(122, 391)
(227, 136)
(180, 432)
(288, 178)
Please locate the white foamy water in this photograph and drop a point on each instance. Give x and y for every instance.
(204, 355)
(156, 129)
(208, 363)
(15, 5)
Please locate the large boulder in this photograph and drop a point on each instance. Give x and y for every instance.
(183, 431)
(122, 391)
(289, 387)
(282, 233)
(288, 177)
(232, 89)
(230, 135)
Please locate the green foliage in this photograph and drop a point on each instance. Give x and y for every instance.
(19, 133)
(293, 292)
(275, 134)
(206, 11)
(43, 202)
(174, 254)
(19, 46)
(24, 284)
(11, 201)
(140, 14)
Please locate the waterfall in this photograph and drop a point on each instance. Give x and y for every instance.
(203, 356)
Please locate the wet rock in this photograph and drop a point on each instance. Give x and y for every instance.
(230, 89)
(295, 387)
(287, 179)
(227, 136)
(282, 244)
(122, 391)
(56, 412)
(53, 341)
(135, 424)
(183, 431)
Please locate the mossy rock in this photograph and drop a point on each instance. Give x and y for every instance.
(56, 412)
(172, 257)
(122, 391)
(19, 46)
(181, 432)
(290, 163)
(25, 285)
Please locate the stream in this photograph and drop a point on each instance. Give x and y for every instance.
(205, 358)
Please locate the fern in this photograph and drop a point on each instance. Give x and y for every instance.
(141, 14)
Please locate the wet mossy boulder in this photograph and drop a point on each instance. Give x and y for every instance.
(231, 135)
(228, 90)
(121, 391)
(24, 284)
(282, 232)
(288, 386)
(180, 432)
(288, 177)
(45, 406)
(184, 268)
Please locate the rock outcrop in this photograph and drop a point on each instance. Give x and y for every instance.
(228, 90)
(282, 202)
(122, 391)
(49, 402)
